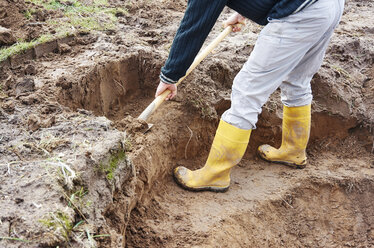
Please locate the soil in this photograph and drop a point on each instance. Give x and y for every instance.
(13, 16)
(78, 169)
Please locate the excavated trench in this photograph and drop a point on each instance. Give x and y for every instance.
(114, 89)
(321, 206)
(317, 213)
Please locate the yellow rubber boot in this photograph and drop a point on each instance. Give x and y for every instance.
(227, 150)
(295, 136)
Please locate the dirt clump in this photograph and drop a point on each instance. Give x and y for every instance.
(6, 36)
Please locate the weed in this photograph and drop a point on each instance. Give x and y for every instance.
(60, 223)
(76, 198)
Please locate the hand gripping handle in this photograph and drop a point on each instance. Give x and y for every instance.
(161, 98)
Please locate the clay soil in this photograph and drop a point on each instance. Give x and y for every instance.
(78, 170)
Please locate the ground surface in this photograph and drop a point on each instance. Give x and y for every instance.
(77, 169)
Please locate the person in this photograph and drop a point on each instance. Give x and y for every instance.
(288, 52)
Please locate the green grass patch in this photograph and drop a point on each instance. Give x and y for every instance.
(22, 46)
(84, 17)
(77, 16)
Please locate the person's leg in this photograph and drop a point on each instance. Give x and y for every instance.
(280, 47)
(296, 89)
(297, 97)
(228, 148)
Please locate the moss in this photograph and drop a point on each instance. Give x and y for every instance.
(114, 160)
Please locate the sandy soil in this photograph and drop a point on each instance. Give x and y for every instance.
(77, 169)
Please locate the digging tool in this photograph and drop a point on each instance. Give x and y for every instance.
(161, 98)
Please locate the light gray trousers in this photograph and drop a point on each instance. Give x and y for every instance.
(288, 52)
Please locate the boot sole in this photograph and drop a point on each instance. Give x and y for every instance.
(289, 164)
(208, 188)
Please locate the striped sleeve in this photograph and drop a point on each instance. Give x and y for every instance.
(198, 20)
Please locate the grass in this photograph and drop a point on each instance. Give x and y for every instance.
(77, 202)
(77, 197)
(14, 239)
(77, 17)
(15, 49)
(82, 17)
(60, 223)
(23, 46)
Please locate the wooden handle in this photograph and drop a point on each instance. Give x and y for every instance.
(161, 98)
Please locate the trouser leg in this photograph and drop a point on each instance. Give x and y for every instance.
(296, 89)
(280, 48)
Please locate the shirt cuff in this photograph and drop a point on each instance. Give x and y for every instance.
(166, 80)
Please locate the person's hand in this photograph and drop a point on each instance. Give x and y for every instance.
(162, 87)
(235, 18)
